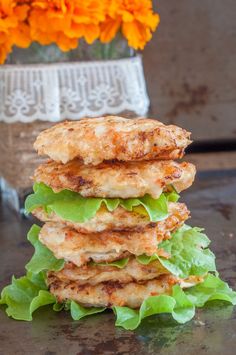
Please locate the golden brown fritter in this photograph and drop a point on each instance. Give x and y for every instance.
(94, 273)
(120, 219)
(108, 294)
(67, 243)
(111, 180)
(94, 140)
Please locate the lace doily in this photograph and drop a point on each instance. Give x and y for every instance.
(55, 92)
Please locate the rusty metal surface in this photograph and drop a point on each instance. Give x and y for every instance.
(213, 205)
(190, 66)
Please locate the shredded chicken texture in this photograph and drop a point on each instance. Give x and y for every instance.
(116, 180)
(94, 140)
(108, 294)
(66, 243)
(69, 244)
(95, 273)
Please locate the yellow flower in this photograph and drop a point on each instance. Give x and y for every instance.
(135, 18)
(13, 30)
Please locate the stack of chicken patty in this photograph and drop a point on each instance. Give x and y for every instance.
(127, 170)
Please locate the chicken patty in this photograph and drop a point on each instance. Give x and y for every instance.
(95, 273)
(120, 219)
(79, 248)
(116, 180)
(94, 140)
(108, 294)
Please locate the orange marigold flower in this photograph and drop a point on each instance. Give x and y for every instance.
(13, 30)
(135, 18)
(109, 28)
(65, 43)
(64, 21)
(5, 47)
(20, 35)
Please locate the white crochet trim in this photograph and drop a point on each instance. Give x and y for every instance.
(54, 92)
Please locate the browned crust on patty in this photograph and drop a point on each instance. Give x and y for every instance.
(108, 294)
(116, 180)
(66, 243)
(96, 273)
(94, 140)
(69, 244)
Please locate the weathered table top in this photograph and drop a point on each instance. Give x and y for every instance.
(213, 331)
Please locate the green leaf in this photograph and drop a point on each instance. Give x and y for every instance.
(172, 196)
(29, 292)
(145, 259)
(24, 295)
(181, 304)
(213, 288)
(44, 298)
(117, 263)
(73, 207)
(78, 312)
(178, 305)
(43, 258)
(130, 319)
(57, 307)
(184, 309)
(188, 253)
(157, 209)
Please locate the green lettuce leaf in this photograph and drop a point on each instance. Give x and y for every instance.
(157, 209)
(29, 292)
(73, 207)
(188, 253)
(24, 295)
(178, 305)
(181, 304)
(213, 288)
(57, 307)
(172, 196)
(77, 311)
(184, 309)
(145, 259)
(117, 263)
(43, 258)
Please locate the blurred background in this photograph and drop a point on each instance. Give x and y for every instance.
(190, 68)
